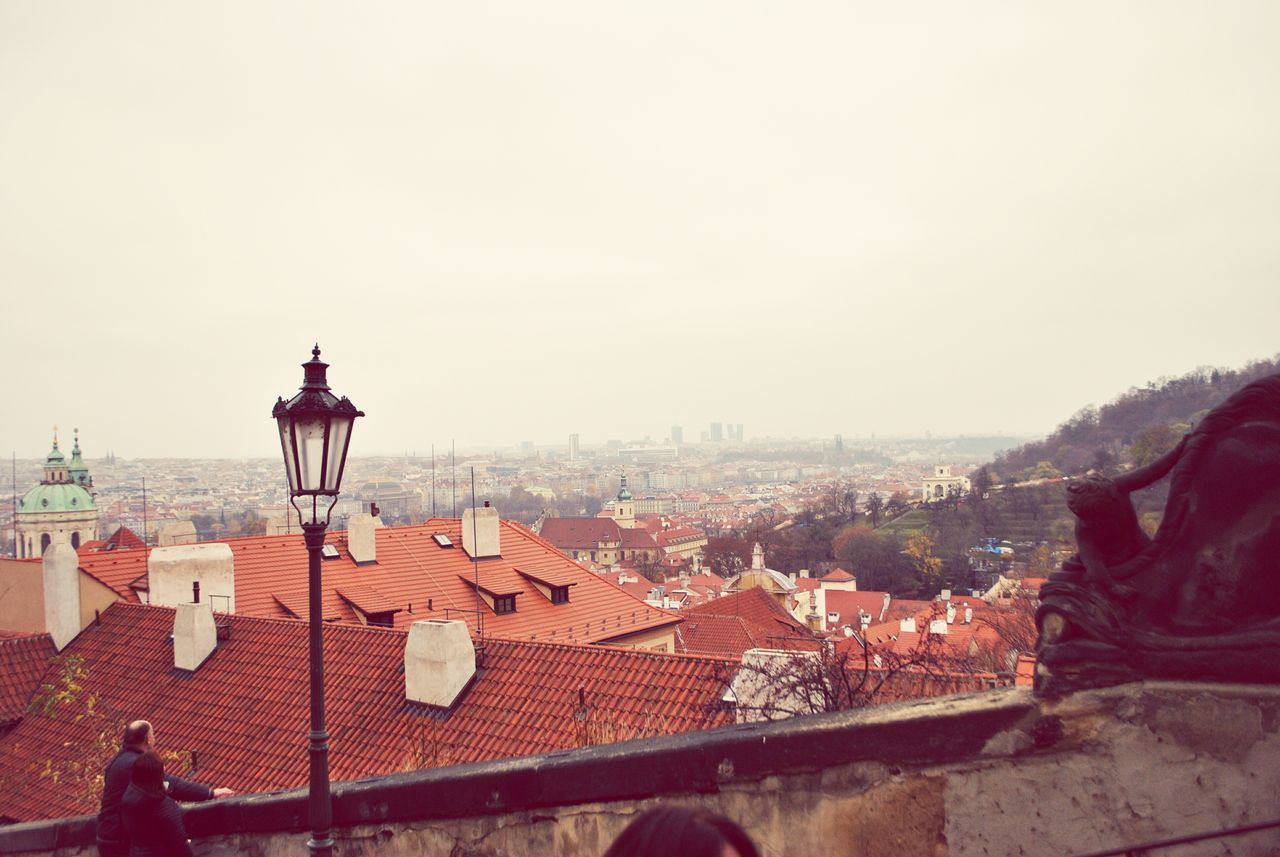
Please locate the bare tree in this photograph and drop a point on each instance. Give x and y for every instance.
(852, 673)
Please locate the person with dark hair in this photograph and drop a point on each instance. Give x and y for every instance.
(677, 831)
(152, 818)
(139, 737)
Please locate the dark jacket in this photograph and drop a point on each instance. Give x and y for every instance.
(153, 822)
(117, 781)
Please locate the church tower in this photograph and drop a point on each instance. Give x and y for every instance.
(60, 508)
(624, 508)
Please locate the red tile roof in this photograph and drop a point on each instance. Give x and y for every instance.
(580, 533)
(761, 622)
(847, 604)
(23, 661)
(412, 571)
(123, 539)
(838, 575)
(245, 710)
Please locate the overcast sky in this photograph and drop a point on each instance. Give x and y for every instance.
(509, 221)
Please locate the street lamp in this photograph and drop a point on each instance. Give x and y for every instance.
(315, 431)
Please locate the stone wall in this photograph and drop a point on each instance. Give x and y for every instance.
(983, 774)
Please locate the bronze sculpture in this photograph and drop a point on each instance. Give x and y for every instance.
(1201, 599)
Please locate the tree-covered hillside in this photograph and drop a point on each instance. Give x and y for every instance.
(1136, 428)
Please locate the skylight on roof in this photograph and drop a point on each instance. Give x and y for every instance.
(329, 551)
(442, 540)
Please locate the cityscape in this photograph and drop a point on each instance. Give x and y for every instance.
(713, 429)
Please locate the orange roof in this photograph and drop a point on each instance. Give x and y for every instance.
(761, 622)
(847, 604)
(838, 575)
(23, 660)
(424, 581)
(245, 710)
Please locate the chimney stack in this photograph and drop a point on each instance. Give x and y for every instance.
(481, 536)
(907, 625)
(60, 568)
(172, 571)
(968, 615)
(361, 540)
(951, 613)
(194, 635)
(937, 626)
(439, 661)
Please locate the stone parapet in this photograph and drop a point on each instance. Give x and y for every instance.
(981, 774)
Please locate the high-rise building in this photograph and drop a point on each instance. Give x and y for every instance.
(839, 443)
(717, 432)
(739, 433)
(677, 435)
(526, 448)
(573, 447)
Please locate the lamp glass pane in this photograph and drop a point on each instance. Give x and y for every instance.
(339, 432)
(286, 449)
(308, 436)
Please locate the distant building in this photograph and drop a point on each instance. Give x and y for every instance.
(60, 508)
(717, 432)
(606, 540)
(394, 502)
(677, 435)
(941, 484)
(573, 447)
(777, 584)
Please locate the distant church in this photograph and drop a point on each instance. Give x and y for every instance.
(60, 508)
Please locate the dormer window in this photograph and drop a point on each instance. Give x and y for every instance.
(507, 604)
(559, 595)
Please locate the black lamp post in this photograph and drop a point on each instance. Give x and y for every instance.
(315, 430)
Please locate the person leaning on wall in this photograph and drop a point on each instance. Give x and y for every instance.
(139, 738)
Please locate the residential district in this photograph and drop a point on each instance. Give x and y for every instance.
(579, 595)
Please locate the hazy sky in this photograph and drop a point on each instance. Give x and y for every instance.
(508, 221)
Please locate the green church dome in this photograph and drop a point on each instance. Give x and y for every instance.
(59, 497)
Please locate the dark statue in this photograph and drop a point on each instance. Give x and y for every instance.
(1201, 599)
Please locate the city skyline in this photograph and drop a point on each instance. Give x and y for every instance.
(523, 223)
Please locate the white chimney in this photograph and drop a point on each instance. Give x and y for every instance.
(439, 661)
(804, 572)
(864, 620)
(172, 570)
(61, 571)
(968, 615)
(907, 625)
(481, 532)
(945, 595)
(951, 613)
(832, 617)
(937, 626)
(361, 541)
(194, 635)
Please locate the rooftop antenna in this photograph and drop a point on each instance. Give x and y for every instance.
(145, 543)
(15, 504)
(453, 477)
(475, 557)
(433, 480)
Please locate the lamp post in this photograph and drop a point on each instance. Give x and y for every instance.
(315, 431)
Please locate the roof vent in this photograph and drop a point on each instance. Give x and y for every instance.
(329, 551)
(442, 540)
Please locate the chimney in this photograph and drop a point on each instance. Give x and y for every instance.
(968, 615)
(864, 620)
(61, 572)
(480, 532)
(194, 635)
(804, 572)
(361, 542)
(945, 595)
(439, 661)
(907, 625)
(951, 613)
(937, 626)
(173, 571)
